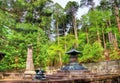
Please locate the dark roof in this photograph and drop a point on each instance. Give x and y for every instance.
(73, 52)
(2, 55)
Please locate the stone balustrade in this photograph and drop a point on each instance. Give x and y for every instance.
(108, 67)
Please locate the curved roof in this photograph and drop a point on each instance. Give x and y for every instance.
(73, 52)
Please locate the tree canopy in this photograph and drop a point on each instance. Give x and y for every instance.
(53, 30)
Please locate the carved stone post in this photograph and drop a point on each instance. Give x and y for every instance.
(29, 63)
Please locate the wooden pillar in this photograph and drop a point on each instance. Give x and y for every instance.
(29, 63)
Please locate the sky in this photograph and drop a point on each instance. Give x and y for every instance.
(81, 11)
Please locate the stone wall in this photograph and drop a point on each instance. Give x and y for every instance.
(109, 67)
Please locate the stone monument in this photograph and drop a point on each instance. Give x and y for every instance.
(29, 63)
(73, 61)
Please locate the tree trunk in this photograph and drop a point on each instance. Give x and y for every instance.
(116, 10)
(65, 47)
(58, 44)
(60, 59)
(75, 31)
(87, 38)
(112, 36)
(104, 42)
(115, 41)
(98, 34)
(57, 33)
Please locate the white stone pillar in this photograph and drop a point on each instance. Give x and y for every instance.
(29, 63)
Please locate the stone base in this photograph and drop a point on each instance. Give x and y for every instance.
(1, 76)
(29, 74)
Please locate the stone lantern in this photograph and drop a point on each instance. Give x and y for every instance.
(73, 61)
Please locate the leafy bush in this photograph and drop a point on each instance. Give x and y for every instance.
(92, 53)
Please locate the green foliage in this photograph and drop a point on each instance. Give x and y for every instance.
(114, 54)
(36, 27)
(71, 7)
(92, 53)
(66, 43)
(16, 47)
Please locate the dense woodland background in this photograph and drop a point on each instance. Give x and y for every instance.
(53, 30)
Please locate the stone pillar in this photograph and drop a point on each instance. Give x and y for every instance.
(29, 63)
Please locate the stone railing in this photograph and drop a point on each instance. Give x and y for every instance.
(108, 67)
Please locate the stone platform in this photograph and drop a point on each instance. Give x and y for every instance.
(69, 77)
